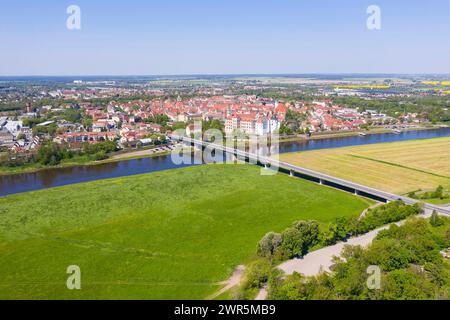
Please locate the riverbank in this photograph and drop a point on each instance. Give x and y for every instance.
(333, 135)
(116, 157)
(137, 162)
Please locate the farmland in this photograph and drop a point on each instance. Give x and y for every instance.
(169, 235)
(398, 167)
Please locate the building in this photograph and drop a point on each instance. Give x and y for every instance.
(80, 137)
(252, 124)
(6, 138)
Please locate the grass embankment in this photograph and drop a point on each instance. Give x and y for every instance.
(166, 235)
(398, 167)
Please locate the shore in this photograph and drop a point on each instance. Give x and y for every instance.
(133, 155)
(332, 135)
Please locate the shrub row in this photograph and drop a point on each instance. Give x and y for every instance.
(298, 240)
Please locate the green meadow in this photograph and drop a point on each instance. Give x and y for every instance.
(169, 235)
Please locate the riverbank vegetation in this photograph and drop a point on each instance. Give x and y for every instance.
(175, 234)
(52, 154)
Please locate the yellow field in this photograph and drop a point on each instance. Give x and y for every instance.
(436, 83)
(398, 167)
(375, 86)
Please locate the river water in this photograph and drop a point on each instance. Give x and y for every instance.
(49, 178)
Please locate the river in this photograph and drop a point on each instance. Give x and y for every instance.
(49, 178)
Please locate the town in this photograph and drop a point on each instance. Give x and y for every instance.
(98, 111)
(216, 158)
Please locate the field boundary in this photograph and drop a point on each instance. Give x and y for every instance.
(397, 165)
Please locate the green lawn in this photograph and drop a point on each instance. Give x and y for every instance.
(165, 235)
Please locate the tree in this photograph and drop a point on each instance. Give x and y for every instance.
(257, 274)
(339, 229)
(160, 119)
(51, 154)
(72, 115)
(269, 244)
(404, 285)
(309, 232)
(292, 245)
(439, 193)
(285, 129)
(436, 220)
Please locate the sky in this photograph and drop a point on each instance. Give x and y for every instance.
(173, 37)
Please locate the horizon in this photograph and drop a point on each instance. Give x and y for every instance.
(232, 38)
(275, 75)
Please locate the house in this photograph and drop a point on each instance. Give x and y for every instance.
(146, 142)
(80, 137)
(99, 126)
(156, 128)
(193, 129)
(6, 138)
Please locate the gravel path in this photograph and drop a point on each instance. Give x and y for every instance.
(262, 295)
(321, 260)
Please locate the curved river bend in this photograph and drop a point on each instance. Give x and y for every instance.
(49, 178)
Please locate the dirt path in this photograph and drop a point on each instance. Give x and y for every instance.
(234, 281)
(141, 153)
(364, 213)
(262, 295)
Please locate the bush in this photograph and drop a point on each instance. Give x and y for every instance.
(257, 274)
(436, 221)
(389, 213)
(105, 147)
(293, 242)
(52, 154)
(101, 155)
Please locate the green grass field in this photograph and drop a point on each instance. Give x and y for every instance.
(166, 235)
(398, 167)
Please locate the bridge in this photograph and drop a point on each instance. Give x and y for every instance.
(323, 179)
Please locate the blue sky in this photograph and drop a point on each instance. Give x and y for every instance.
(147, 37)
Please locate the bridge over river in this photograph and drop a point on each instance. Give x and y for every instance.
(296, 171)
